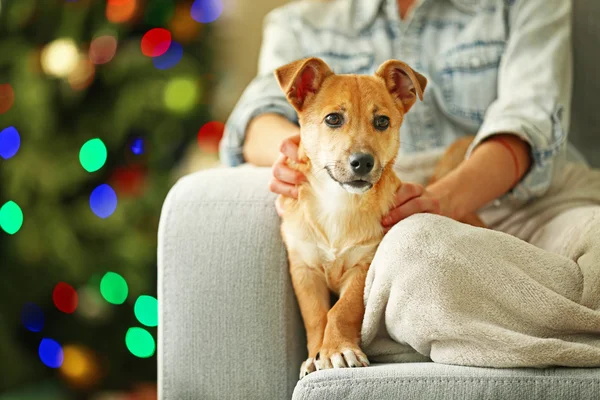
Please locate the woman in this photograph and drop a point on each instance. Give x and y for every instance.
(497, 68)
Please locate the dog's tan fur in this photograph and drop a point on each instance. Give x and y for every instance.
(330, 233)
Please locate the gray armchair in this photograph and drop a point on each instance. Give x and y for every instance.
(229, 324)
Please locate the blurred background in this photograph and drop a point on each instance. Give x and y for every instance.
(103, 105)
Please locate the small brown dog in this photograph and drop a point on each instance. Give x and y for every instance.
(349, 141)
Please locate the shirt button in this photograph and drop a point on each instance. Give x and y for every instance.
(475, 62)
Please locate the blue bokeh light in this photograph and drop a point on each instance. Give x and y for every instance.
(170, 58)
(206, 11)
(103, 201)
(32, 317)
(10, 141)
(51, 353)
(137, 146)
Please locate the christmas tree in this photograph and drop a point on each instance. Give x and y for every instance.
(98, 100)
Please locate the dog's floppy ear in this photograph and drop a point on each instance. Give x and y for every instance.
(302, 78)
(403, 83)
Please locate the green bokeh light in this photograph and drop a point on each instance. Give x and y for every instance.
(114, 288)
(181, 95)
(92, 155)
(11, 217)
(146, 310)
(140, 342)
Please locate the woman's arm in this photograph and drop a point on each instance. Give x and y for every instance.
(261, 118)
(264, 136)
(494, 168)
(491, 171)
(531, 115)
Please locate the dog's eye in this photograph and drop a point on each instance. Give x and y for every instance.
(381, 123)
(334, 120)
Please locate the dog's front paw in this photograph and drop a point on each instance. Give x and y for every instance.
(307, 367)
(340, 357)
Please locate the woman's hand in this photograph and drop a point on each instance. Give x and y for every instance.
(285, 179)
(412, 198)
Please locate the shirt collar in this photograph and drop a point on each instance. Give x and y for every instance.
(365, 11)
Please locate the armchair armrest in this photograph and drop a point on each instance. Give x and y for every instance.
(229, 324)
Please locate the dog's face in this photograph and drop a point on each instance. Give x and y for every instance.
(350, 123)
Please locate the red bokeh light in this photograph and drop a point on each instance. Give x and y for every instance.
(129, 181)
(7, 97)
(156, 42)
(210, 135)
(65, 298)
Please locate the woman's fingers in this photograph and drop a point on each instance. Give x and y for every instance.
(411, 207)
(408, 191)
(287, 175)
(285, 178)
(289, 147)
(282, 188)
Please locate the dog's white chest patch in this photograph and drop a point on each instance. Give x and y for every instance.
(333, 206)
(335, 234)
(330, 253)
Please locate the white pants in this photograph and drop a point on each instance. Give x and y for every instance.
(525, 294)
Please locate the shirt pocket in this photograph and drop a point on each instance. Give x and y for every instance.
(467, 75)
(347, 63)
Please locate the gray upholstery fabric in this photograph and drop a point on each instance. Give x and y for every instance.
(430, 381)
(585, 123)
(229, 324)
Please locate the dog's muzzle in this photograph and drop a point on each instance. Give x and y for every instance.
(351, 184)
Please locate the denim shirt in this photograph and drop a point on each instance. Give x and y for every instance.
(493, 66)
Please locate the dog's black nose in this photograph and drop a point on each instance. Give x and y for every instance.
(361, 163)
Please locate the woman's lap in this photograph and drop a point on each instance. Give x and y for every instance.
(464, 295)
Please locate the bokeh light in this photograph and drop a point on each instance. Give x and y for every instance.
(60, 58)
(114, 288)
(146, 310)
(155, 42)
(51, 353)
(91, 304)
(181, 95)
(83, 75)
(137, 146)
(206, 11)
(11, 217)
(183, 27)
(65, 298)
(10, 142)
(140, 342)
(119, 11)
(103, 49)
(210, 135)
(80, 366)
(170, 58)
(128, 181)
(92, 155)
(103, 201)
(32, 317)
(7, 97)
